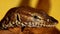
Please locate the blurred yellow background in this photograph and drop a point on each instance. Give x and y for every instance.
(5, 5)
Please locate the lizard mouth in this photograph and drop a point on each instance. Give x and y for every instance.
(28, 24)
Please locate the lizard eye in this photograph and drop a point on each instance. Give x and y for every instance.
(36, 17)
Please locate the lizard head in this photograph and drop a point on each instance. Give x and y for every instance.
(27, 16)
(36, 18)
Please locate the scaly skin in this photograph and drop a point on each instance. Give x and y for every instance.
(26, 15)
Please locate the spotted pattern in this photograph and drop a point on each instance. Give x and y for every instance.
(26, 17)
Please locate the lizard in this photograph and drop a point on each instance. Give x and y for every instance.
(27, 17)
